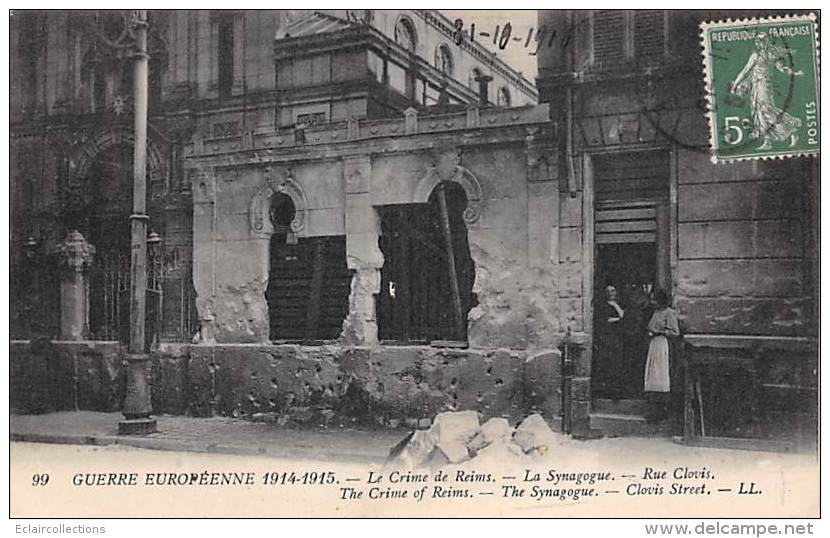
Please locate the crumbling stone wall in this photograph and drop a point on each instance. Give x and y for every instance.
(511, 219)
(296, 385)
(502, 162)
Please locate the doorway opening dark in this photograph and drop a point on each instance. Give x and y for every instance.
(426, 288)
(308, 282)
(621, 346)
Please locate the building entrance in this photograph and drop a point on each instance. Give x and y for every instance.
(631, 241)
(625, 277)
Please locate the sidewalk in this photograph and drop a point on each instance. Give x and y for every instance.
(215, 435)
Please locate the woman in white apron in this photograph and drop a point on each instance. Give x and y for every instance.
(662, 326)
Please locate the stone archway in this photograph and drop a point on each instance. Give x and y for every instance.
(98, 202)
(259, 206)
(80, 169)
(454, 173)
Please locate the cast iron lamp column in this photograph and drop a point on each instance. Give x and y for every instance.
(137, 403)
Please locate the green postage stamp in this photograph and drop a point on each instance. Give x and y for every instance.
(762, 87)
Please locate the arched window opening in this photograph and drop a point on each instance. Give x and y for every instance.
(427, 278)
(443, 60)
(225, 51)
(503, 98)
(308, 281)
(405, 35)
(282, 212)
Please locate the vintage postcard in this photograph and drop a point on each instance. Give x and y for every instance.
(414, 263)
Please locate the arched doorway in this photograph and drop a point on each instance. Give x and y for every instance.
(308, 280)
(428, 273)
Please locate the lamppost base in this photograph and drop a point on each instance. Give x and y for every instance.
(137, 426)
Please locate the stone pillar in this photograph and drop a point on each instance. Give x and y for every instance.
(362, 253)
(204, 250)
(76, 257)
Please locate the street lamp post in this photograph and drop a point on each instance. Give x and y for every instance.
(137, 403)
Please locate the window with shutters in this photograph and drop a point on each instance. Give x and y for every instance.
(308, 282)
(620, 37)
(428, 272)
(609, 38)
(650, 27)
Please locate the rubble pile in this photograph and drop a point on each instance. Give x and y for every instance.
(458, 437)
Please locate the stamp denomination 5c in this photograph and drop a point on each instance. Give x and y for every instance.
(762, 80)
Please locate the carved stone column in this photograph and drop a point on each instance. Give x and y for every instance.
(76, 257)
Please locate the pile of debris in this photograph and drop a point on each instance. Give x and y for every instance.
(458, 437)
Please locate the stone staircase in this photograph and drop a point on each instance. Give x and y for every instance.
(625, 418)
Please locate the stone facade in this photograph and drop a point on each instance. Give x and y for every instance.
(336, 182)
(736, 243)
(342, 134)
(399, 121)
(71, 111)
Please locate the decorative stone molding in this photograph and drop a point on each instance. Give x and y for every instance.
(260, 205)
(447, 167)
(75, 253)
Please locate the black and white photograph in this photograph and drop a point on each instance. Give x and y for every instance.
(422, 263)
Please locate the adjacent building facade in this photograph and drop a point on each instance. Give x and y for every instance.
(734, 244)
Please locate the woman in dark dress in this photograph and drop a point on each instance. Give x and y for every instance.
(605, 376)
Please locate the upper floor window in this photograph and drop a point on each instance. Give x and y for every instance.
(405, 34)
(443, 60)
(609, 27)
(620, 36)
(32, 32)
(503, 97)
(225, 51)
(650, 31)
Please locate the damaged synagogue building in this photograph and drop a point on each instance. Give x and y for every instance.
(356, 217)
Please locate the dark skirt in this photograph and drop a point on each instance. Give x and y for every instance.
(608, 363)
